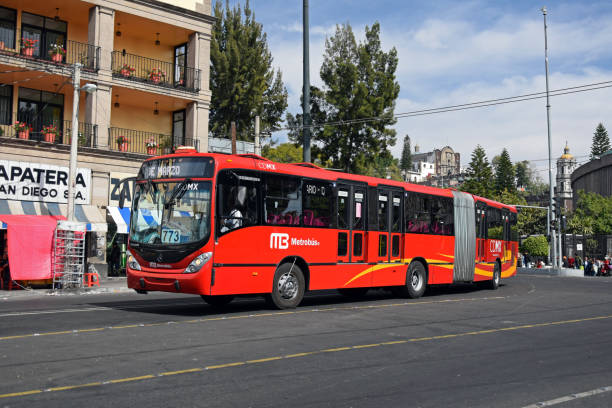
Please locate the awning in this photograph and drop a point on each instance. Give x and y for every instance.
(87, 214)
(121, 216)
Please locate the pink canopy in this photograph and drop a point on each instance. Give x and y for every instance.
(30, 245)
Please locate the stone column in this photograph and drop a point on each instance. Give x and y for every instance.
(198, 57)
(196, 124)
(101, 33)
(97, 112)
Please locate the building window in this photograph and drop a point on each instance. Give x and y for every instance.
(8, 24)
(178, 127)
(40, 108)
(6, 104)
(47, 32)
(180, 62)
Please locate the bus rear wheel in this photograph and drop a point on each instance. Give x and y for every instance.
(494, 283)
(218, 300)
(288, 286)
(416, 282)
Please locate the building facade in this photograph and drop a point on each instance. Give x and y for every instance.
(594, 176)
(150, 63)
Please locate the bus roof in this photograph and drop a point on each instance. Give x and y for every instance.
(255, 162)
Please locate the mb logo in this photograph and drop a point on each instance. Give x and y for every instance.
(279, 241)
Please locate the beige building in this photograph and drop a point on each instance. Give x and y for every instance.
(150, 62)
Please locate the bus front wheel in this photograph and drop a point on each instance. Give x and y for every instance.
(288, 287)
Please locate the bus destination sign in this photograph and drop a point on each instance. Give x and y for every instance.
(178, 167)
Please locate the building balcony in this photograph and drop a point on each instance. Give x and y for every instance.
(157, 73)
(52, 133)
(86, 54)
(151, 143)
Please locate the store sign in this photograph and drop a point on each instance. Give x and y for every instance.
(116, 187)
(42, 182)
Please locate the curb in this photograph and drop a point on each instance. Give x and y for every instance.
(562, 272)
(117, 286)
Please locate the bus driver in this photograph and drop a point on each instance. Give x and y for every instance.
(237, 200)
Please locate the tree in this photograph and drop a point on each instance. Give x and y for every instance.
(593, 214)
(384, 166)
(521, 172)
(504, 173)
(242, 80)
(479, 177)
(530, 221)
(283, 153)
(601, 141)
(359, 84)
(406, 162)
(536, 246)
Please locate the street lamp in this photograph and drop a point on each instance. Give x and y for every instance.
(89, 88)
(551, 218)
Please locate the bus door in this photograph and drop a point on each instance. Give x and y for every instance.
(481, 233)
(383, 253)
(351, 211)
(390, 248)
(505, 235)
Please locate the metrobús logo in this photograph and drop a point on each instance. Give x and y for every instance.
(495, 245)
(282, 241)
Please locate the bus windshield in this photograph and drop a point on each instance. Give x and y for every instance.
(171, 213)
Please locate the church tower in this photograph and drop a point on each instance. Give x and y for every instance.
(565, 167)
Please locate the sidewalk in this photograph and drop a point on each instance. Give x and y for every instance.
(548, 271)
(108, 285)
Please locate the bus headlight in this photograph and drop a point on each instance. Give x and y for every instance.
(198, 262)
(132, 262)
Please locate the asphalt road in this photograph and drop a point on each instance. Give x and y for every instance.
(545, 340)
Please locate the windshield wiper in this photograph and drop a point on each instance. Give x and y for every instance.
(178, 192)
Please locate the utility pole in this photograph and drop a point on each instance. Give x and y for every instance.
(551, 231)
(306, 91)
(233, 130)
(257, 141)
(76, 82)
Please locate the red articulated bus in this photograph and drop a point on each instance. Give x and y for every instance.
(223, 225)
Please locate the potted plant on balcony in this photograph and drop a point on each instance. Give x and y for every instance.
(122, 143)
(23, 130)
(151, 146)
(57, 52)
(127, 70)
(27, 46)
(156, 75)
(50, 132)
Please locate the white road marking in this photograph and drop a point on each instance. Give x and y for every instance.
(571, 397)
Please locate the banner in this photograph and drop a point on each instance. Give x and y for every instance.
(42, 182)
(115, 189)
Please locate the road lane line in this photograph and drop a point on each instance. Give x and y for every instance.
(571, 397)
(260, 315)
(331, 350)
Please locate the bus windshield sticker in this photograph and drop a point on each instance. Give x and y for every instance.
(358, 210)
(342, 193)
(396, 201)
(170, 236)
(382, 198)
(359, 196)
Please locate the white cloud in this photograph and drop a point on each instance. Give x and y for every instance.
(445, 61)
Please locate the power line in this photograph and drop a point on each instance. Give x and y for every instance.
(459, 107)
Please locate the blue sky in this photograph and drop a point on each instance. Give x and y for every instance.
(454, 52)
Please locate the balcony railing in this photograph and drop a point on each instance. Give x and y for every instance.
(135, 141)
(86, 54)
(159, 73)
(51, 132)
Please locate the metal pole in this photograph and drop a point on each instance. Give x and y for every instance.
(257, 142)
(76, 82)
(551, 231)
(233, 130)
(306, 90)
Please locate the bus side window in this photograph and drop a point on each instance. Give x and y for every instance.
(283, 200)
(494, 224)
(238, 202)
(318, 203)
